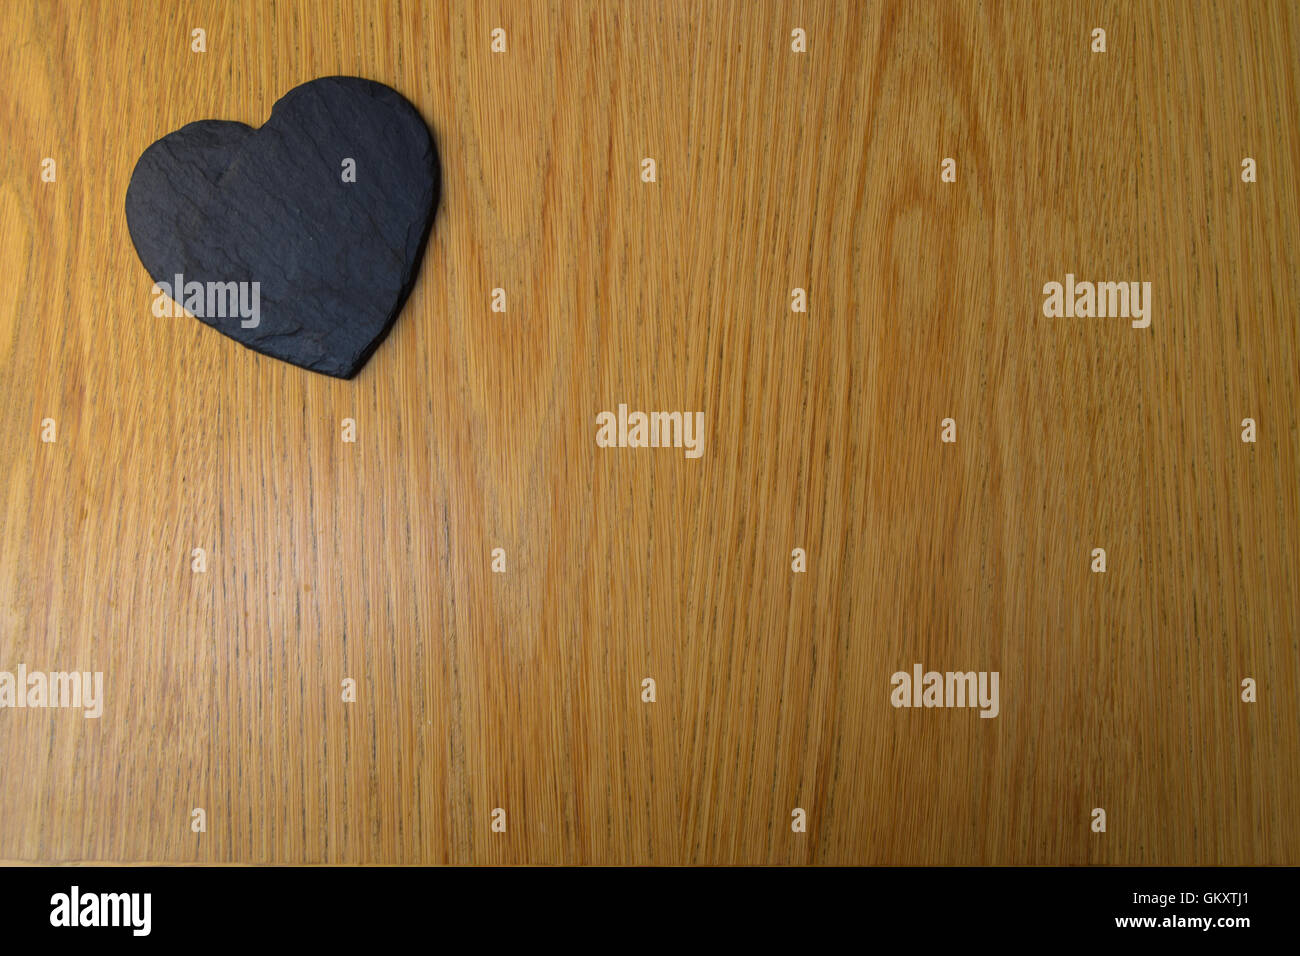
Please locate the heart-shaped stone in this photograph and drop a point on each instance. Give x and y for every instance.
(299, 239)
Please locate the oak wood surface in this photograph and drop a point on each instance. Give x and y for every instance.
(476, 431)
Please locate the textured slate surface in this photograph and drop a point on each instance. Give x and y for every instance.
(218, 201)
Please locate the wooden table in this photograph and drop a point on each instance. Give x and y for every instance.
(475, 430)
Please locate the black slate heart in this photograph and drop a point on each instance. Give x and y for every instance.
(219, 202)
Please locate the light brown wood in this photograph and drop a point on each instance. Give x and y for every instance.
(476, 430)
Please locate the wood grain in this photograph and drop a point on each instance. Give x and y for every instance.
(476, 431)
